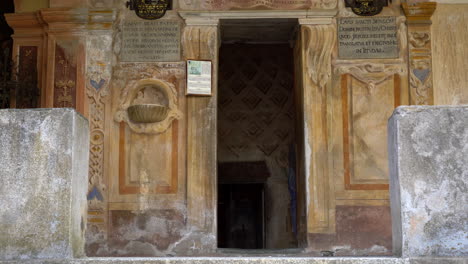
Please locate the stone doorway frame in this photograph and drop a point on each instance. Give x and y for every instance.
(201, 40)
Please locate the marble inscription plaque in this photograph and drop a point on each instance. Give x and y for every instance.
(144, 41)
(367, 38)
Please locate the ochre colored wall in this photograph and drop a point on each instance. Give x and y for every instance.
(30, 5)
(450, 54)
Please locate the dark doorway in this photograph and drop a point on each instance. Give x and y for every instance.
(240, 216)
(6, 44)
(257, 136)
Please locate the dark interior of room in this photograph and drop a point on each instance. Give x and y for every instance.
(256, 142)
(6, 43)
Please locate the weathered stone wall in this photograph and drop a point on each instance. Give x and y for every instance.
(43, 176)
(428, 149)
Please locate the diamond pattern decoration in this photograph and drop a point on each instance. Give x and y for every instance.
(266, 117)
(236, 116)
(290, 113)
(253, 130)
(249, 71)
(238, 85)
(286, 83)
(268, 149)
(279, 99)
(255, 111)
(263, 84)
(224, 102)
(282, 134)
(272, 71)
(224, 132)
(251, 100)
(237, 149)
(227, 73)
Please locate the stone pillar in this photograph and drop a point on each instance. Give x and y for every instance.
(99, 44)
(65, 71)
(28, 52)
(201, 42)
(419, 22)
(318, 36)
(428, 157)
(56, 39)
(43, 183)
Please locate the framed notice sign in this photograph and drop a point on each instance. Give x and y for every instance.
(198, 77)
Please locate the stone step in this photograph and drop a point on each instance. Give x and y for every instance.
(248, 260)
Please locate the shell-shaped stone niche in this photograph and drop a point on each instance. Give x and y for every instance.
(148, 106)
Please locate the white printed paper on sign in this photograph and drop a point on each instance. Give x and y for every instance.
(198, 77)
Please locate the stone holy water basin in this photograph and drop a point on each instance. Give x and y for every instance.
(147, 113)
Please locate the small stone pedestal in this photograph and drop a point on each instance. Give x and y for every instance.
(428, 152)
(43, 183)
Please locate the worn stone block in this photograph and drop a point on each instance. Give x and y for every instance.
(428, 152)
(43, 183)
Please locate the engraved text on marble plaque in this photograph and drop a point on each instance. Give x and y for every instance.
(144, 41)
(367, 38)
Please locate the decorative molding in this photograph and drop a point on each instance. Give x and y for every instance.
(28, 24)
(420, 51)
(65, 77)
(257, 14)
(98, 76)
(371, 73)
(420, 80)
(419, 40)
(129, 94)
(419, 13)
(316, 21)
(319, 41)
(361, 74)
(254, 5)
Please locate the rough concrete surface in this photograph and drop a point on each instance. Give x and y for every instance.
(43, 183)
(428, 152)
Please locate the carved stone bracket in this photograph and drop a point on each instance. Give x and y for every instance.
(420, 51)
(318, 39)
(136, 90)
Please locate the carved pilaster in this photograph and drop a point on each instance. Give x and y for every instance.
(201, 41)
(420, 52)
(318, 38)
(97, 79)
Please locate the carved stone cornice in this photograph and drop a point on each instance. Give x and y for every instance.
(25, 24)
(419, 13)
(325, 20)
(30, 24)
(257, 14)
(67, 19)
